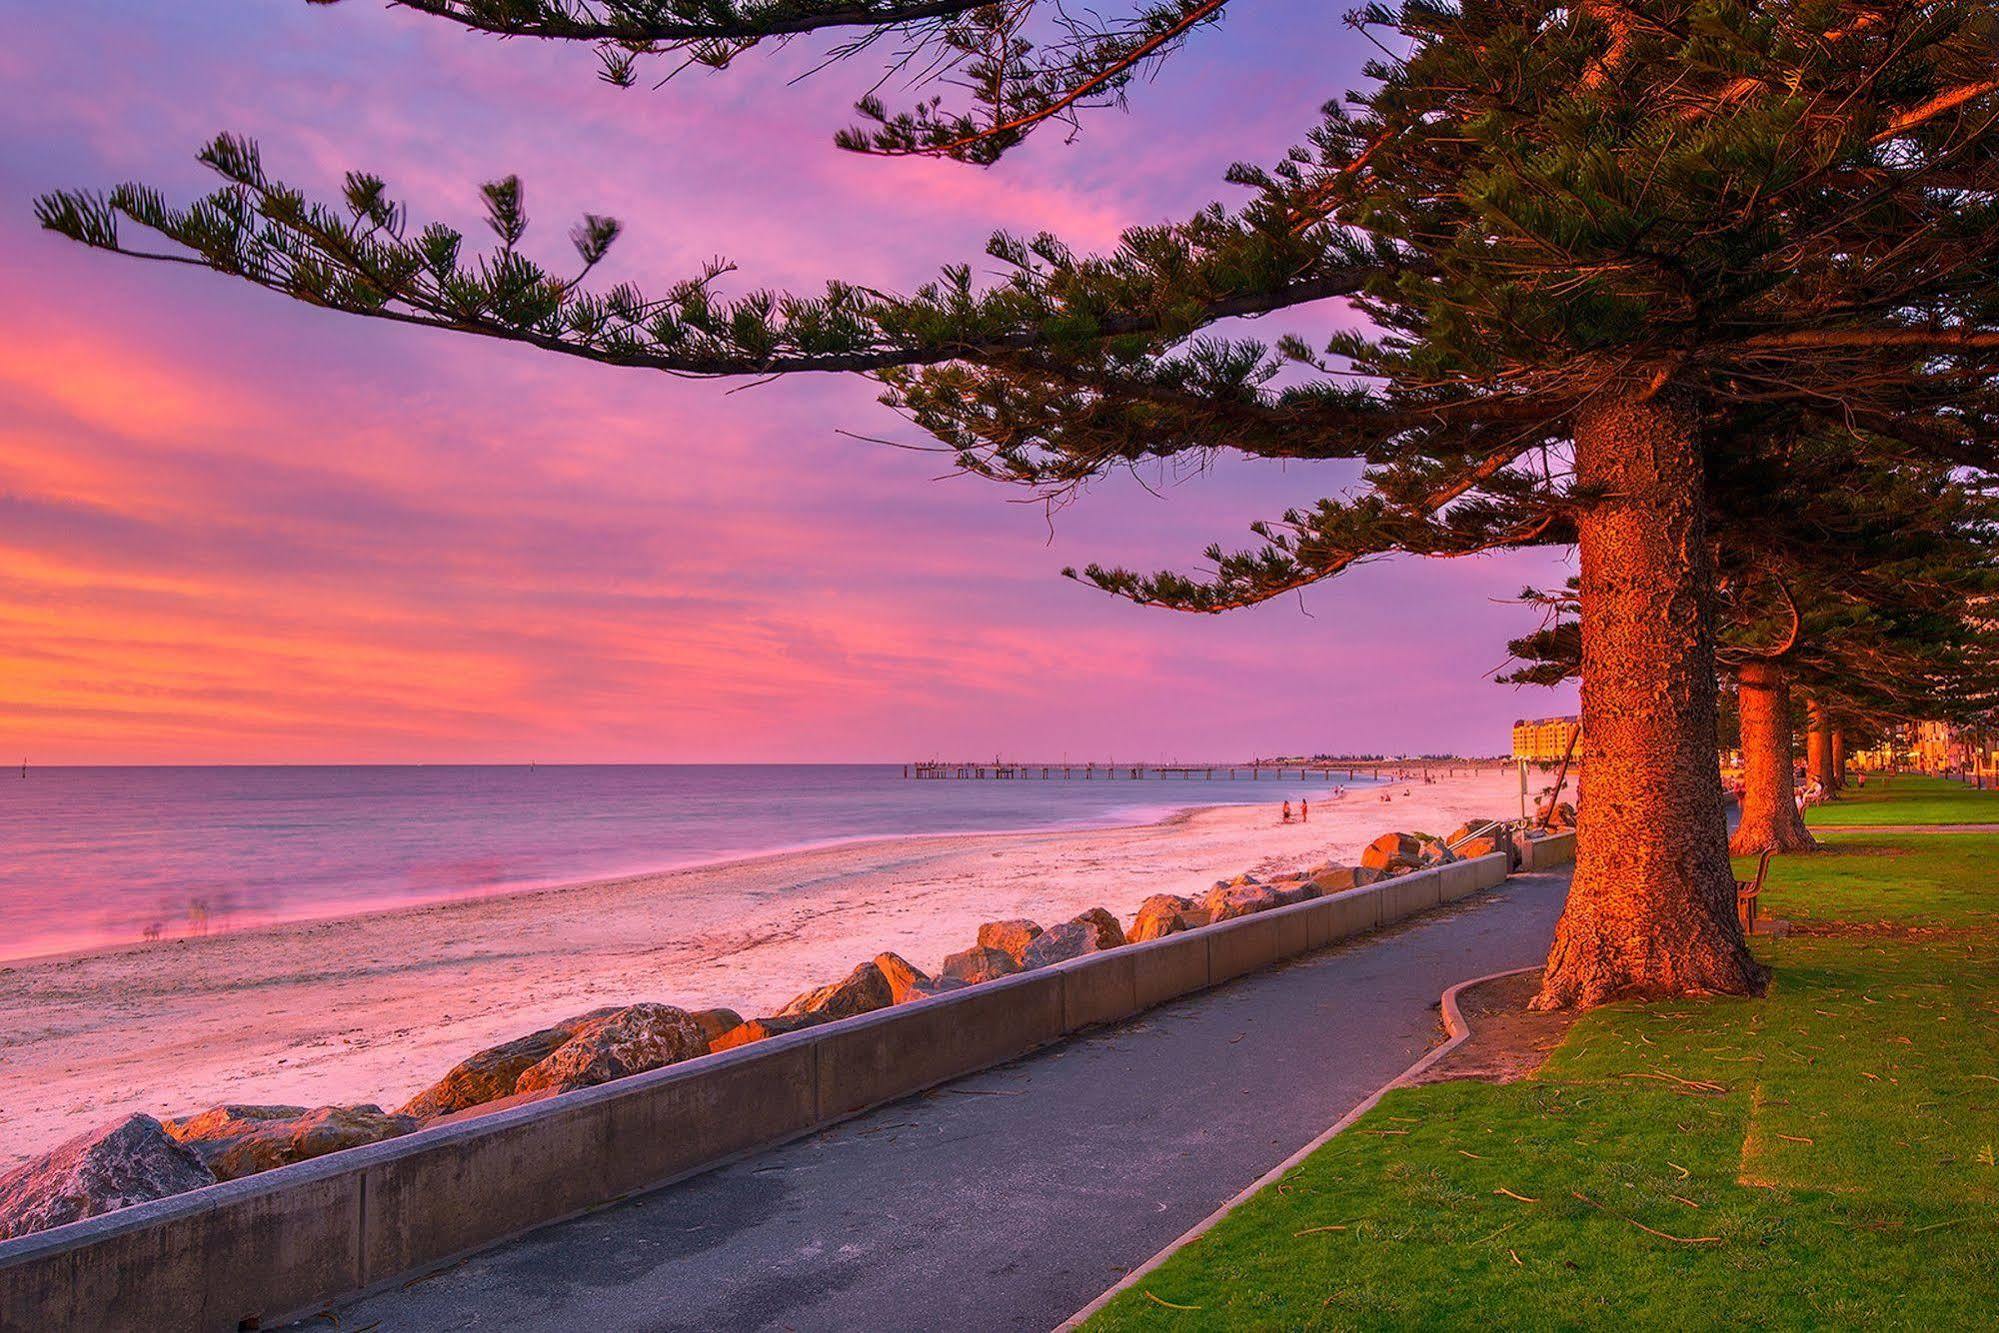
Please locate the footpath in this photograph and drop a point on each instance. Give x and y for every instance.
(1013, 1197)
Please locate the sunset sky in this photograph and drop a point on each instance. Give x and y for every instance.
(239, 530)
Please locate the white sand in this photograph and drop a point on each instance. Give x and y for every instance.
(373, 1008)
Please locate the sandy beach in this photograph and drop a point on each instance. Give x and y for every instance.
(373, 1008)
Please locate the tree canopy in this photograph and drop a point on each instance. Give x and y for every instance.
(1591, 247)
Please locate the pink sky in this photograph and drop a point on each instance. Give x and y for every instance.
(240, 530)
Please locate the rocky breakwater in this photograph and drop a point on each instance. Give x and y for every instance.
(141, 1158)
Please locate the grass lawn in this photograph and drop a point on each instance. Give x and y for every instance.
(1904, 799)
(1822, 1157)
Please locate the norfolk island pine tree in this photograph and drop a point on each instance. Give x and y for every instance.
(1587, 237)
(1866, 582)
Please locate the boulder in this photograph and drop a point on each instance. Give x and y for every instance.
(624, 1042)
(714, 1022)
(939, 986)
(1331, 878)
(492, 1073)
(1226, 902)
(335, 1128)
(1071, 939)
(1400, 853)
(1435, 853)
(1485, 844)
(1464, 830)
(112, 1167)
(1290, 890)
(906, 981)
(1008, 936)
(756, 1029)
(861, 991)
(1158, 916)
(1109, 934)
(237, 1141)
(980, 963)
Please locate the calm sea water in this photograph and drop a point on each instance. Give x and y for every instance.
(92, 856)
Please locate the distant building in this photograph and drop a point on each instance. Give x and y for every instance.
(1929, 747)
(1544, 740)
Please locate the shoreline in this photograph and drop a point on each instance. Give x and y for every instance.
(726, 862)
(374, 1006)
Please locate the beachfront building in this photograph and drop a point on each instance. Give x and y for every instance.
(1545, 740)
(1930, 747)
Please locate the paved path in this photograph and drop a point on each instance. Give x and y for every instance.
(1011, 1198)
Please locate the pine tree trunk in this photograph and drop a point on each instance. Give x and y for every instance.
(1838, 760)
(1818, 746)
(1770, 818)
(1652, 907)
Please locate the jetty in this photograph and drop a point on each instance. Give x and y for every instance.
(1303, 770)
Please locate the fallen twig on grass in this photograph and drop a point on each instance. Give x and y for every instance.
(1313, 1231)
(1650, 1231)
(1511, 1195)
(1699, 1087)
(1169, 1304)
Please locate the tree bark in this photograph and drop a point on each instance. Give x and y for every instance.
(1818, 746)
(1770, 818)
(1652, 907)
(1838, 760)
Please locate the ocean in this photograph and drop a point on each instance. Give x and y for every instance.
(97, 856)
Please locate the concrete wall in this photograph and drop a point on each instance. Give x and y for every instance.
(287, 1241)
(1547, 853)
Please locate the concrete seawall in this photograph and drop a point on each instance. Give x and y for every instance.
(287, 1241)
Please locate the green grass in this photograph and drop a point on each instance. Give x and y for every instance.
(1824, 1156)
(1905, 799)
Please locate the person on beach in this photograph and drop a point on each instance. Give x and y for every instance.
(1304, 810)
(1287, 813)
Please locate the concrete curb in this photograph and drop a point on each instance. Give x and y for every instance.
(1457, 1030)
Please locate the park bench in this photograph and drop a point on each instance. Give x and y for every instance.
(1748, 891)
